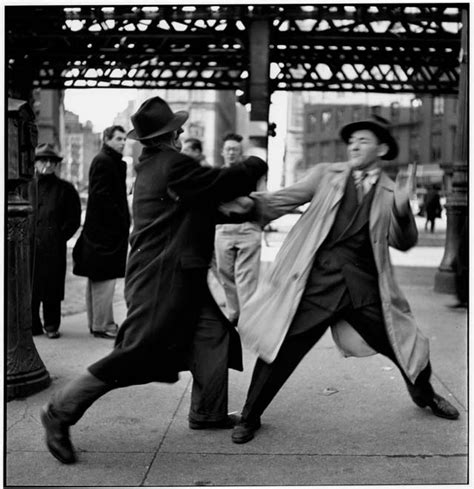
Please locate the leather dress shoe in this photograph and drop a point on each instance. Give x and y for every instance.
(442, 407)
(52, 335)
(111, 335)
(439, 406)
(229, 422)
(245, 430)
(57, 437)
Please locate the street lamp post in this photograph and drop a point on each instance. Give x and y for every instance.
(26, 373)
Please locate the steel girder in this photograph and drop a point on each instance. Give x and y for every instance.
(372, 48)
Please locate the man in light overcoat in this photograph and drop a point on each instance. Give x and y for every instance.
(334, 269)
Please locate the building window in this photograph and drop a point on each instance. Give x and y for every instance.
(414, 150)
(196, 130)
(339, 117)
(415, 108)
(340, 152)
(376, 110)
(326, 116)
(325, 152)
(394, 111)
(311, 123)
(436, 147)
(438, 105)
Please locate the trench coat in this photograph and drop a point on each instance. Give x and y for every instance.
(100, 252)
(56, 217)
(174, 207)
(266, 317)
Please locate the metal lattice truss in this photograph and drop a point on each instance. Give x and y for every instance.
(381, 48)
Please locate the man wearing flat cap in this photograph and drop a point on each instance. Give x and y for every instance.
(172, 321)
(334, 270)
(57, 216)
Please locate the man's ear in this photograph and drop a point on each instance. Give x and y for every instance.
(382, 150)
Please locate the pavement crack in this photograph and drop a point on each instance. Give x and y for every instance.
(173, 417)
(342, 455)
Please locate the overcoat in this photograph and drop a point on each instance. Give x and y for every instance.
(266, 317)
(101, 250)
(174, 215)
(56, 217)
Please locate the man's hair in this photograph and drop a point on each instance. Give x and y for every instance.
(195, 143)
(232, 136)
(110, 131)
(167, 137)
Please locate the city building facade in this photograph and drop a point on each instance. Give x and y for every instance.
(424, 126)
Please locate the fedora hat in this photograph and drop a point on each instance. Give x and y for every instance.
(46, 150)
(380, 127)
(154, 118)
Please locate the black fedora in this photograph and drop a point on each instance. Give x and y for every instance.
(47, 151)
(154, 118)
(380, 127)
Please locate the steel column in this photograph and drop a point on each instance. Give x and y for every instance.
(456, 201)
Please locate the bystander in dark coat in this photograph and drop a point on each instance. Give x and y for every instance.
(101, 250)
(432, 208)
(56, 216)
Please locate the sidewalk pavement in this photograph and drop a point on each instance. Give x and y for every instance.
(336, 421)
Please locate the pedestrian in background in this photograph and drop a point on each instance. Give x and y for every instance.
(172, 322)
(193, 148)
(237, 246)
(57, 216)
(432, 208)
(335, 265)
(101, 250)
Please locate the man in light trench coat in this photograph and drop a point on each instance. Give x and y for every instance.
(334, 270)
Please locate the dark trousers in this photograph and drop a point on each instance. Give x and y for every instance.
(51, 315)
(208, 365)
(267, 379)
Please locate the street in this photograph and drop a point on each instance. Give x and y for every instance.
(336, 422)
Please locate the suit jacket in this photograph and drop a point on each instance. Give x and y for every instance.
(266, 317)
(174, 214)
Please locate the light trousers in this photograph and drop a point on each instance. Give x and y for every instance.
(237, 250)
(99, 303)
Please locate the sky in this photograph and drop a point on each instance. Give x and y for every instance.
(101, 105)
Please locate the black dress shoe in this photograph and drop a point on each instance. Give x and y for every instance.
(111, 335)
(57, 437)
(443, 408)
(245, 430)
(225, 424)
(52, 335)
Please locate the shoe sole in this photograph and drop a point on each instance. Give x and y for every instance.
(63, 460)
(445, 416)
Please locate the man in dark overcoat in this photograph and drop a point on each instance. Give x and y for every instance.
(57, 216)
(100, 252)
(172, 321)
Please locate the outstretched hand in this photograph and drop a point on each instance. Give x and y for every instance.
(240, 205)
(405, 188)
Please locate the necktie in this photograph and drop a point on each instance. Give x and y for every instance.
(359, 177)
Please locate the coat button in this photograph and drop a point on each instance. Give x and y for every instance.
(295, 276)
